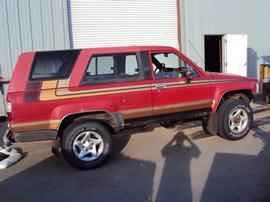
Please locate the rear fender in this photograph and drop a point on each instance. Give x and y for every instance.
(104, 110)
(115, 119)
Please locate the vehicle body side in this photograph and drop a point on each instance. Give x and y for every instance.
(51, 105)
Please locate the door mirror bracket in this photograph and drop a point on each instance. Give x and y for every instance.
(190, 76)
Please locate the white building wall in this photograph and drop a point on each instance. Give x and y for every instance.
(212, 17)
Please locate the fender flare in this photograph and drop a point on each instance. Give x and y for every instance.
(115, 119)
(237, 93)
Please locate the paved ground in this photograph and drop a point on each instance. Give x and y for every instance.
(155, 164)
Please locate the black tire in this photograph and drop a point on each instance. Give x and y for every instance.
(86, 144)
(235, 119)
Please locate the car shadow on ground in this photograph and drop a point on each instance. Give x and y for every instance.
(247, 176)
(129, 178)
(122, 178)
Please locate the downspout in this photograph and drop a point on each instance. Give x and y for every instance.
(179, 25)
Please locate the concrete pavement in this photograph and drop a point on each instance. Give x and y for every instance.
(155, 164)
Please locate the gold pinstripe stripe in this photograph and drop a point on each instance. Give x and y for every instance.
(33, 126)
(127, 114)
(182, 107)
(167, 109)
(65, 93)
(54, 90)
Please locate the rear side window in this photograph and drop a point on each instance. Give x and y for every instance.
(112, 68)
(101, 66)
(53, 65)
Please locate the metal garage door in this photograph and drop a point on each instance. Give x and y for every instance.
(103, 23)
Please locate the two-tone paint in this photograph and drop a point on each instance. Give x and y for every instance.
(125, 103)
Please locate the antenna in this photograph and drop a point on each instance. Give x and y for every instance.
(196, 52)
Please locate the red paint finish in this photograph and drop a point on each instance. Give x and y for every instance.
(133, 99)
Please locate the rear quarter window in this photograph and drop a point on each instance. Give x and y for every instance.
(53, 64)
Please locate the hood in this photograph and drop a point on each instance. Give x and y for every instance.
(215, 75)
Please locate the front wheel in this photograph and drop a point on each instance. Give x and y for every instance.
(235, 119)
(86, 144)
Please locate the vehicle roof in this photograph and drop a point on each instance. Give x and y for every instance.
(121, 49)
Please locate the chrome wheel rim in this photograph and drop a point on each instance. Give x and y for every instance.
(238, 120)
(88, 146)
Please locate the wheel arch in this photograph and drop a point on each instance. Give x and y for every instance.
(114, 121)
(244, 94)
(212, 119)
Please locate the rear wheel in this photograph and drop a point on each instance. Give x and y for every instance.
(235, 118)
(86, 144)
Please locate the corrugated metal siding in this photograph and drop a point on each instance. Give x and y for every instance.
(106, 23)
(212, 17)
(29, 25)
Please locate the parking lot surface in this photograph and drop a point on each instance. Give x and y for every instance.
(153, 164)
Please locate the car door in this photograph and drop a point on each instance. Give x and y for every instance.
(173, 92)
(115, 82)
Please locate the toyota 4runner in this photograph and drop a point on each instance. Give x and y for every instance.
(80, 98)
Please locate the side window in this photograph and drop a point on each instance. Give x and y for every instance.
(132, 65)
(189, 68)
(120, 67)
(101, 65)
(170, 65)
(53, 64)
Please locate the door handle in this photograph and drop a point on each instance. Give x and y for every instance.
(161, 85)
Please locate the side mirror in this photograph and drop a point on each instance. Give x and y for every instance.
(190, 76)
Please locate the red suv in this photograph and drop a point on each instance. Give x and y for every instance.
(79, 98)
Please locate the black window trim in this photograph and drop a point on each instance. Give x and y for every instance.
(116, 80)
(30, 79)
(186, 61)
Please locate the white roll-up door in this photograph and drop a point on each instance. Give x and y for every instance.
(104, 23)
